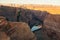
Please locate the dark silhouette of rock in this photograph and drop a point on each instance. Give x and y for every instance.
(51, 27)
(8, 12)
(16, 30)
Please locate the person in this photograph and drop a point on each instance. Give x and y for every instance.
(18, 15)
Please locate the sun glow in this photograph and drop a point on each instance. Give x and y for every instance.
(52, 6)
(49, 8)
(45, 2)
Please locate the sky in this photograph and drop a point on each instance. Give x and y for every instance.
(44, 2)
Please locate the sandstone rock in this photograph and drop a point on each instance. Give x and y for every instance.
(23, 31)
(3, 36)
(51, 27)
(16, 30)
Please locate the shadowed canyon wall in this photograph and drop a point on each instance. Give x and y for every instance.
(51, 23)
(8, 12)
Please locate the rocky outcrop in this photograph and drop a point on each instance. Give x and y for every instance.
(22, 32)
(51, 27)
(15, 30)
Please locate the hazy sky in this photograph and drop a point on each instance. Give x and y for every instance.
(51, 2)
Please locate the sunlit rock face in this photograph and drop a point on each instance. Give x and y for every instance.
(22, 32)
(15, 30)
(51, 27)
(3, 36)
